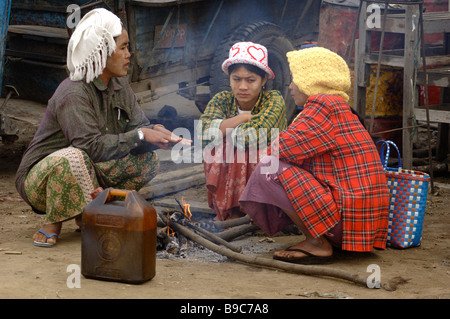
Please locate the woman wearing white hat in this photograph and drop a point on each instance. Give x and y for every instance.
(246, 114)
(93, 135)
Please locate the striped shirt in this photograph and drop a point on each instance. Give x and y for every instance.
(268, 113)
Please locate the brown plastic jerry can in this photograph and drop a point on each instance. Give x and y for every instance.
(118, 237)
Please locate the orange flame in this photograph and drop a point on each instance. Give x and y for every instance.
(186, 208)
(170, 231)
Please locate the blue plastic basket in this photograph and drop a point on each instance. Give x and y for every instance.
(409, 191)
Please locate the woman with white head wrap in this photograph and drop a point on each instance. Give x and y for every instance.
(91, 43)
(93, 135)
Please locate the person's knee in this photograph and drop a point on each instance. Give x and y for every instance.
(269, 164)
(151, 160)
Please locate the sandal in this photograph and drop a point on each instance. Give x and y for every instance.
(309, 259)
(46, 244)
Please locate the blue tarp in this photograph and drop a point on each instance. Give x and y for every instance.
(5, 9)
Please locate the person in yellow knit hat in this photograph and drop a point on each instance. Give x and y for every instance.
(319, 70)
(329, 179)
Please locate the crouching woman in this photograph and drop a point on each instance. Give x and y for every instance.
(328, 179)
(238, 126)
(93, 134)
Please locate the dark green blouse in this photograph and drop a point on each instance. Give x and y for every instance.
(98, 119)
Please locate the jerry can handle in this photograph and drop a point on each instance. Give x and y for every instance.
(118, 192)
(111, 192)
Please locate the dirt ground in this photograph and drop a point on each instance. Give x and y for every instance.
(31, 272)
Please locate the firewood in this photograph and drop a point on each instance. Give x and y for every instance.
(270, 263)
(223, 224)
(212, 237)
(172, 186)
(197, 207)
(237, 231)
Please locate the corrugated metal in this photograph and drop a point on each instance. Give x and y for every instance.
(5, 7)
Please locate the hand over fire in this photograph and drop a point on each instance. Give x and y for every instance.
(162, 137)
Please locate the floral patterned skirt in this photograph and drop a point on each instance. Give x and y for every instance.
(60, 185)
(227, 171)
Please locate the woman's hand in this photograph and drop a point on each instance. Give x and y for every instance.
(162, 137)
(172, 137)
(244, 117)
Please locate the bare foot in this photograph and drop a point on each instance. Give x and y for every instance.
(49, 229)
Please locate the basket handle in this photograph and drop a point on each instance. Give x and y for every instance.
(388, 150)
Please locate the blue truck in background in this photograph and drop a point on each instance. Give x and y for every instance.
(177, 46)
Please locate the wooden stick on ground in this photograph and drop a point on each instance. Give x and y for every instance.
(265, 262)
(237, 231)
(232, 222)
(237, 227)
(214, 238)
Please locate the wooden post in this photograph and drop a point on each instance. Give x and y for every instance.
(362, 70)
(411, 53)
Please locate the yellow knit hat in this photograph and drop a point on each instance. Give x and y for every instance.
(318, 70)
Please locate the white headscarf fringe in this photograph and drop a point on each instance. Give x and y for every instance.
(95, 63)
(91, 44)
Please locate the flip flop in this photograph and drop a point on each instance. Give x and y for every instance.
(39, 244)
(309, 259)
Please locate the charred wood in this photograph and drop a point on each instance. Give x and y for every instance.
(237, 231)
(179, 219)
(232, 222)
(270, 263)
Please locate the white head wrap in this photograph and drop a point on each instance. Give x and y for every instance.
(91, 43)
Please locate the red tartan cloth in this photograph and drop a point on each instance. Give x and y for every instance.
(337, 174)
(226, 180)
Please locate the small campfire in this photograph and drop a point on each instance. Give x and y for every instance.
(181, 236)
(172, 243)
(186, 211)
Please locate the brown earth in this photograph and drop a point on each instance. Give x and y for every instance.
(31, 272)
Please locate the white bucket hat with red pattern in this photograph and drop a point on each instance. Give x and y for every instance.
(249, 53)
